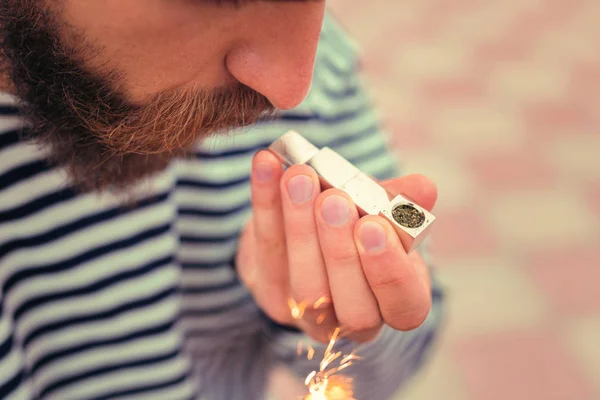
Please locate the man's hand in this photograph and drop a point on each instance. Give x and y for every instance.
(308, 245)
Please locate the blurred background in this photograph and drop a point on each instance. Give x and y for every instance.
(499, 103)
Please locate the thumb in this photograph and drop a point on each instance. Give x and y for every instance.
(417, 188)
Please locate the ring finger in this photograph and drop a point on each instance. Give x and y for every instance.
(355, 305)
(308, 278)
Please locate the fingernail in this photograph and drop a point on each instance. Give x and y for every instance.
(335, 210)
(372, 237)
(300, 189)
(263, 172)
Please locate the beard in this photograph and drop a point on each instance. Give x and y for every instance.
(84, 120)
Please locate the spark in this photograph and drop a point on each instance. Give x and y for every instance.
(320, 302)
(325, 383)
(321, 318)
(297, 309)
(311, 352)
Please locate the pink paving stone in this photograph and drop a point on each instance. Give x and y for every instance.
(584, 82)
(487, 55)
(549, 16)
(462, 233)
(593, 198)
(520, 366)
(566, 117)
(514, 170)
(409, 136)
(569, 277)
(467, 87)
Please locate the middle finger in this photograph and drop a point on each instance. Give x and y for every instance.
(308, 278)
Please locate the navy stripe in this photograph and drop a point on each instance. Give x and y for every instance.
(378, 153)
(140, 302)
(325, 119)
(5, 347)
(79, 224)
(201, 184)
(192, 290)
(204, 264)
(354, 137)
(341, 73)
(226, 331)
(247, 299)
(6, 109)
(107, 369)
(113, 340)
(196, 211)
(12, 384)
(388, 173)
(36, 205)
(209, 239)
(9, 138)
(23, 172)
(93, 287)
(345, 93)
(63, 265)
(142, 389)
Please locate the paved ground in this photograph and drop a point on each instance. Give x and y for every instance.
(499, 102)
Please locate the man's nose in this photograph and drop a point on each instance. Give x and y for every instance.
(278, 59)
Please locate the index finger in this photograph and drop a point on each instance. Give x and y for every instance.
(272, 276)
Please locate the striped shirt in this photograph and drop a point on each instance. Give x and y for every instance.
(100, 300)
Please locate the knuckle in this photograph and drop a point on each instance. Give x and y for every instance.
(408, 321)
(269, 243)
(358, 321)
(341, 256)
(390, 277)
(279, 314)
(302, 231)
(309, 293)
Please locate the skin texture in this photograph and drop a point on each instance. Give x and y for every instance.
(116, 89)
(289, 251)
(161, 45)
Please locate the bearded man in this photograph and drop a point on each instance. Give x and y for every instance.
(149, 246)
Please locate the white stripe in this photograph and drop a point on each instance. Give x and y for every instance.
(79, 241)
(99, 268)
(114, 296)
(211, 226)
(223, 322)
(123, 324)
(123, 380)
(183, 391)
(216, 169)
(107, 355)
(18, 155)
(7, 99)
(207, 277)
(65, 211)
(10, 365)
(9, 122)
(213, 199)
(23, 392)
(206, 252)
(205, 301)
